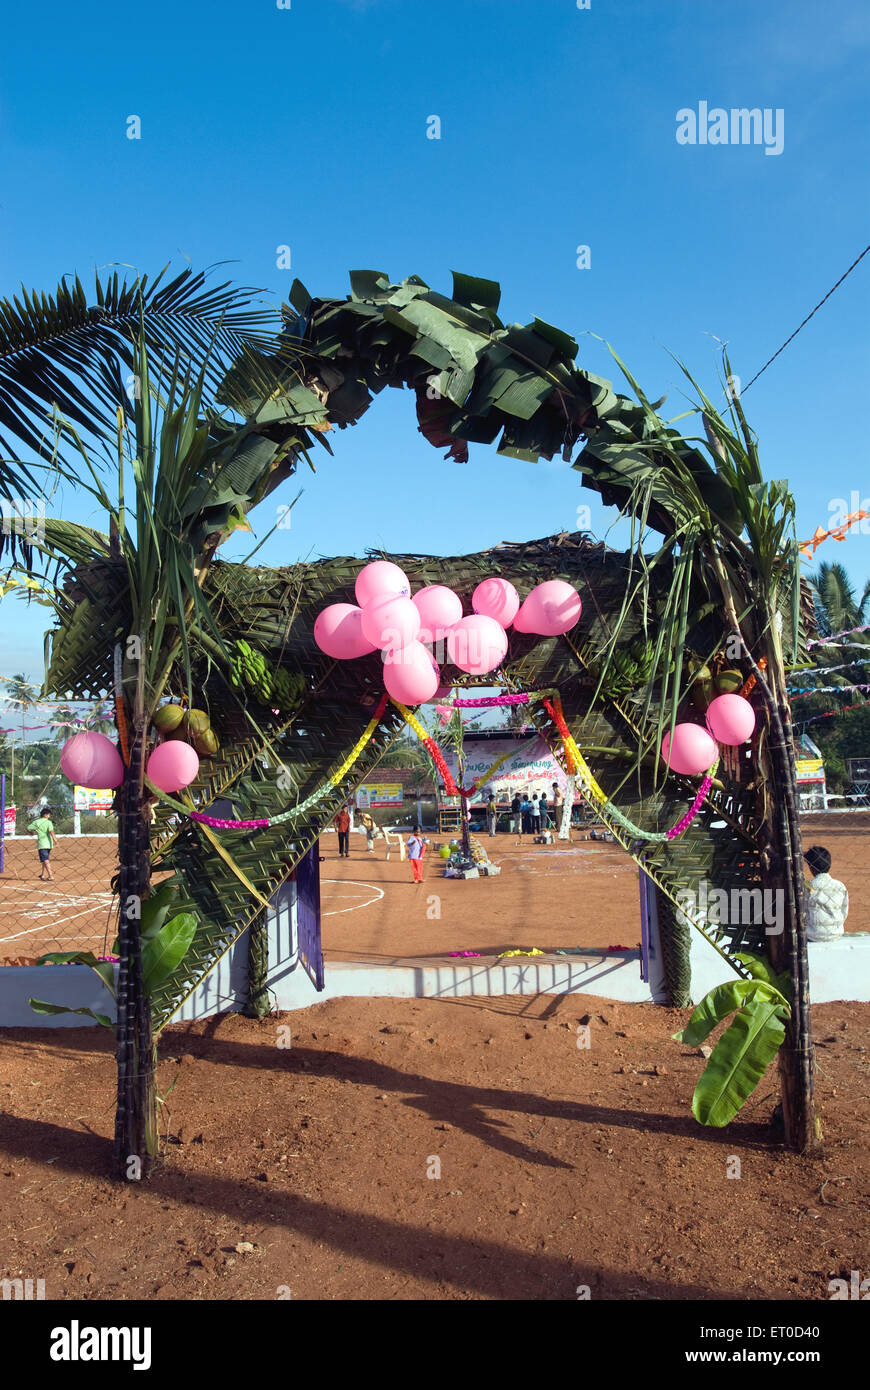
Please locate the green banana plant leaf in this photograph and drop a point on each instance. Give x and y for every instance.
(41, 1006)
(156, 909)
(164, 952)
(103, 968)
(722, 1001)
(738, 1062)
(761, 969)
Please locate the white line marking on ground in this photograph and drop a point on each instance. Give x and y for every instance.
(356, 882)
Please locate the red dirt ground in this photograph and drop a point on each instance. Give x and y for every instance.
(485, 915)
(302, 1169)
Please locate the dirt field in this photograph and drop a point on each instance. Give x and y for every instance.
(548, 896)
(72, 913)
(304, 1170)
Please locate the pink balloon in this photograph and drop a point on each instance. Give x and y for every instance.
(477, 644)
(379, 579)
(496, 598)
(550, 609)
(390, 621)
(338, 632)
(692, 751)
(411, 674)
(731, 719)
(172, 765)
(439, 609)
(92, 760)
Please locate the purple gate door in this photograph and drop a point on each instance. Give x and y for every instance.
(308, 915)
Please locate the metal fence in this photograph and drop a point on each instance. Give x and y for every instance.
(72, 911)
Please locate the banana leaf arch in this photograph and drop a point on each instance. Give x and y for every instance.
(274, 610)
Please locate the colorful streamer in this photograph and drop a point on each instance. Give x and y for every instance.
(554, 709)
(838, 533)
(752, 680)
(832, 640)
(309, 801)
(823, 690)
(485, 701)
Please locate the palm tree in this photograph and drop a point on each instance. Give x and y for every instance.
(837, 606)
(65, 722)
(65, 369)
(101, 719)
(21, 695)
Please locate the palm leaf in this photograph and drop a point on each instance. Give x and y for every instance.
(60, 353)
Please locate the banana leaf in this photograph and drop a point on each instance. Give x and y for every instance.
(163, 953)
(738, 1062)
(41, 1006)
(721, 1002)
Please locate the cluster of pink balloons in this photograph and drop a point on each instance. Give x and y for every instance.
(92, 760)
(693, 750)
(388, 618)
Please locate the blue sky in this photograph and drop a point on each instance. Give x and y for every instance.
(264, 127)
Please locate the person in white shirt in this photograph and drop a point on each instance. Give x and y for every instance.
(827, 898)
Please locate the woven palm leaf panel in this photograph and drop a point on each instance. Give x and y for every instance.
(275, 610)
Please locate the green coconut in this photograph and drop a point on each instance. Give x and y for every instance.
(207, 744)
(196, 721)
(728, 682)
(167, 718)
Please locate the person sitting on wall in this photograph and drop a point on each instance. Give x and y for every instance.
(827, 898)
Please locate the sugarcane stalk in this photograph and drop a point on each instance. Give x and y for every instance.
(782, 865)
(136, 1133)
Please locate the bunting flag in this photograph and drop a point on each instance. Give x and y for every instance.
(823, 690)
(833, 642)
(837, 533)
(831, 714)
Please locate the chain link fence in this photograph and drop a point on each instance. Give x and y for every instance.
(74, 910)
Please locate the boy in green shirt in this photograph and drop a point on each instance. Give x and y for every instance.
(43, 829)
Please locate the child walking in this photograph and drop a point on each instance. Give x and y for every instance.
(416, 849)
(43, 828)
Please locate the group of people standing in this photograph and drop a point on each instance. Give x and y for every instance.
(529, 814)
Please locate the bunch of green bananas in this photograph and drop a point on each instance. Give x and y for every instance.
(629, 667)
(276, 688)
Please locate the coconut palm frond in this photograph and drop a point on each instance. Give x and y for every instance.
(73, 354)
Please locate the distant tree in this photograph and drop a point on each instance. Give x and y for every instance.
(66, 724)
(22, 696)
(837, 606)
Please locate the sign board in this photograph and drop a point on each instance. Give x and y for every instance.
(810, 770)
(859, 769)
(530, 767)
(9, 820)
(87, 799)
(380, 794)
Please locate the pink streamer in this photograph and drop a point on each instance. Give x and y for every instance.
(693, 810)
(218, 824)
(487, 700)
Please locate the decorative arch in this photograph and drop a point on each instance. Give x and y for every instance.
(475, 380)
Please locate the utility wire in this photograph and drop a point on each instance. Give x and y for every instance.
(806, 320)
